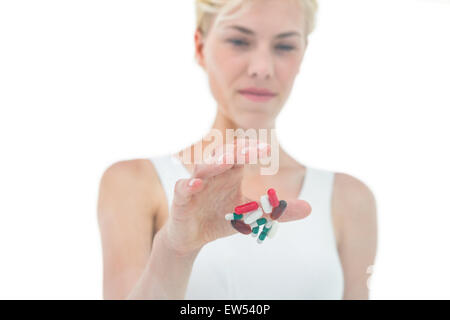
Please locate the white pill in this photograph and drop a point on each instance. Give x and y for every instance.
(273, 230)
(265, 204)
(252, 216)
(229, 216)
(269, 223)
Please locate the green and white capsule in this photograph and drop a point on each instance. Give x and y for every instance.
(261, 237)
(267, 227)
(233, 216)
(265, 204)
(255, 231)
(259, 222)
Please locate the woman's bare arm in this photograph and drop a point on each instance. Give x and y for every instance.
(136, 264)
(354, 207)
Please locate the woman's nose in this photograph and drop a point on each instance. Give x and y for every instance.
(261, 65)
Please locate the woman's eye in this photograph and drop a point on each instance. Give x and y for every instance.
(238, 43)
(286, 48)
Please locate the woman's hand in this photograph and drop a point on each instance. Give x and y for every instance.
(199, 206)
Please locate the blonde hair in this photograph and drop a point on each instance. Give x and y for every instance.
(208, 11)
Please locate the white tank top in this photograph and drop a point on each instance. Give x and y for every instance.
(300, 262)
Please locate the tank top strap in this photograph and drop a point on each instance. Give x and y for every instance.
(318, 188)
(169, 170)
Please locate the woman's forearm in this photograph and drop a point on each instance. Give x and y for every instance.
(166, 274)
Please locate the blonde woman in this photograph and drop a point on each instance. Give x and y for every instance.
(161, 219)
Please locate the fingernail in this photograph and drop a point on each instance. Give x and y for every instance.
(191, 183)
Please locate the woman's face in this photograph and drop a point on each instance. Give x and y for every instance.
(261, 48)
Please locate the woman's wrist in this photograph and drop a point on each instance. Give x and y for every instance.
(178, 253)
(167, 272)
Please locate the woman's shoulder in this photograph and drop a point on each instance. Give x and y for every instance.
(130, 172)
(353, 204)
(351, 192)
(133, 181)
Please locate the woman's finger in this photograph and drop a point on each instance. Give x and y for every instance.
(185, 189)
(295, 210)
(212, 167)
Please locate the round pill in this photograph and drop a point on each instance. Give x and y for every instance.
(265, 204)
(273, 199)
(278, 211)
(241, 227)
(248, 207)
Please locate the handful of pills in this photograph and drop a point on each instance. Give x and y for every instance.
(247, 218)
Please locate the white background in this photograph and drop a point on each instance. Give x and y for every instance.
(87, 83)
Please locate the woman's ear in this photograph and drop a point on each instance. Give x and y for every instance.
(199, 45)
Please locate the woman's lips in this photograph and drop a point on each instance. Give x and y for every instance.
(257, 97)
